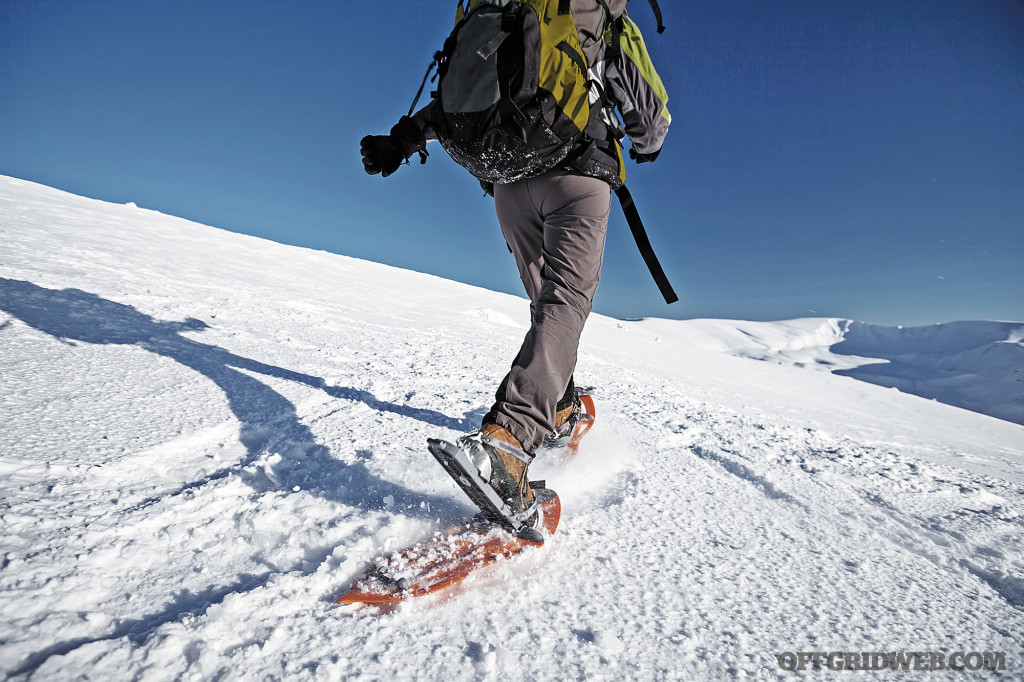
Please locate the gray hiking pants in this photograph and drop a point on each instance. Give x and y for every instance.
(555, 225)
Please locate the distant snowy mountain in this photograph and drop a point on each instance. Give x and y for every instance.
(978, 366)
(204, 436)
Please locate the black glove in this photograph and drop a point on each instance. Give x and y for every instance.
(380, 155)
(643, 158)
(385, 153)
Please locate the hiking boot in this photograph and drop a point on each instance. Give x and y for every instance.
(566, 419)
(563, 416)
(506, 467)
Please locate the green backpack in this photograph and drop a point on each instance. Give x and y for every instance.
(513, 93)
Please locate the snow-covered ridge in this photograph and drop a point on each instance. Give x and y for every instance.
(205, 436)
(976, 365)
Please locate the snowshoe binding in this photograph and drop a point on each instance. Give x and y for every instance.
(492, 471)
(572, 423)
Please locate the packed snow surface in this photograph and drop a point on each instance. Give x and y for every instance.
(205, 436)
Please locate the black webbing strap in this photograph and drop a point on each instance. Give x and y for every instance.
(657, 15)
(655, 7)
(581, 152)
(636, 226)
(416, 99)
(612, 51)
(575, 56)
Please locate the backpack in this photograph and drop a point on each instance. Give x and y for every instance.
(513, 94)
(513, 97)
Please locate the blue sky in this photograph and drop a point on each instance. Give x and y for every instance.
(855, 158)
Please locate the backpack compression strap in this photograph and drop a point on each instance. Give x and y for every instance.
(636, 226)
(657, 15)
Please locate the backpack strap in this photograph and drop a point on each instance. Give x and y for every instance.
(657, 15)
(655, 7)
(437, 60)
(508, 25)
(636, 226)
(613, 49)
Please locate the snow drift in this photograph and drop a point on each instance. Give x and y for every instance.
(205, 436)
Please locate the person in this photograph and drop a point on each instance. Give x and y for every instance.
(555, 225)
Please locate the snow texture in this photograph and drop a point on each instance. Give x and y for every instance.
(204, 437)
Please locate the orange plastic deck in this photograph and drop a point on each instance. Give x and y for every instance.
(583, 427)
(448, 558)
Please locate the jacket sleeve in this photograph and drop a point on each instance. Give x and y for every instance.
(422, 119)
(638, 91)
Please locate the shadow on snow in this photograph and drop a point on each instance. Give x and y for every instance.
(269, 423)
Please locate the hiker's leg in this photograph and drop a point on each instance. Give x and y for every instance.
(555, 225)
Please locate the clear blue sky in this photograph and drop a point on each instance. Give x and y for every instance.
(854, 158)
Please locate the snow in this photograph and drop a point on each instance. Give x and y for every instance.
(204, 436)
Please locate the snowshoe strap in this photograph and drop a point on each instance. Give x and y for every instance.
(455, 461)
(507, 448)
(636, 226)
(519, 520)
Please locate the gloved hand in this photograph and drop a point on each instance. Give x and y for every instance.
(380, 155)
(643, 158)
(385, 153)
